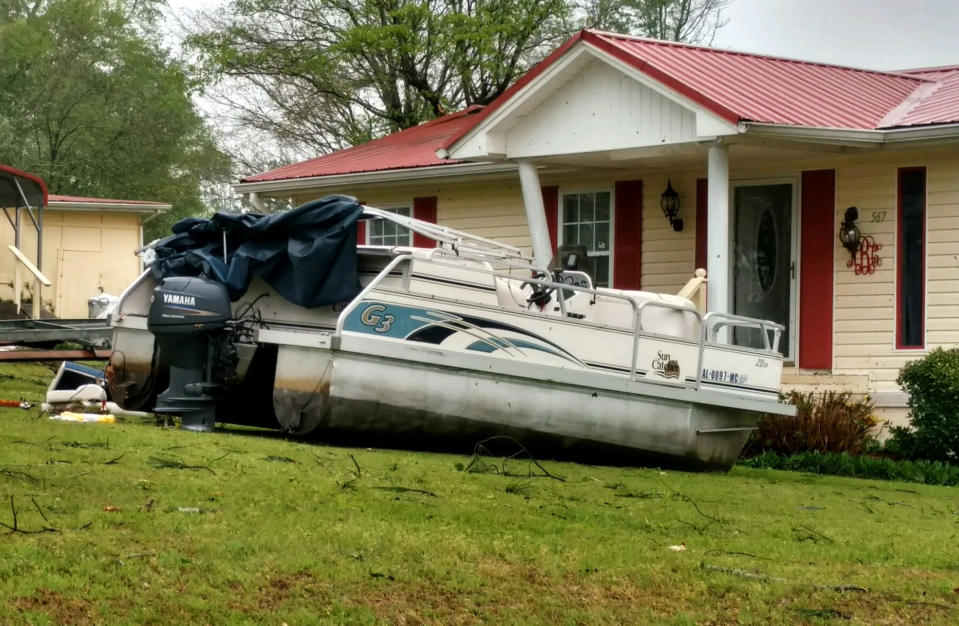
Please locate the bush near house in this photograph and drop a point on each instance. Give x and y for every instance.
(867, 466)
(828, 422)
(932, 384)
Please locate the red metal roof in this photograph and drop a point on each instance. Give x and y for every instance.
(765, 89)
(84, 200)
(413, 147)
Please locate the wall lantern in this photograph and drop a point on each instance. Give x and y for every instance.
(669, 203)
(849, 233)
(862, 248)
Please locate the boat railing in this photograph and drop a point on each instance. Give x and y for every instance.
(640, 332)
(712, 322)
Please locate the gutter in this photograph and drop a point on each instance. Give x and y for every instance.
(861, 138)
(110, 206)
(406, 175)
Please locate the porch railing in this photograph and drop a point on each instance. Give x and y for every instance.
(695, 290)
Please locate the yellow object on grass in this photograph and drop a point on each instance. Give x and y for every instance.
(86, 418)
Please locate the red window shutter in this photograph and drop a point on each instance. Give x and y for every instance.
(424, 209)
(817, 232)
(702, 218)
(628, 238)
(551, 207)
(361, 228)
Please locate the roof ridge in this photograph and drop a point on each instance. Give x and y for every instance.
(758, 55)
(935, 68)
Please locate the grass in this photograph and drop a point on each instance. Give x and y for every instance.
(156, 525)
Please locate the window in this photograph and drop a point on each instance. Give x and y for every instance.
(586, 222)
(384, 233)
(911, 258)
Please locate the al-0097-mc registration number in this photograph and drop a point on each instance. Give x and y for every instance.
(722, 376)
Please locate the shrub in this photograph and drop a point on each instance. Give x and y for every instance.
(932, 383)
(827, 422)
(925, 472)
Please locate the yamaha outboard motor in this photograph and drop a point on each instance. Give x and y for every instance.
(189, 317)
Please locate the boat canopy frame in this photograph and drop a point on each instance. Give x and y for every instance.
(459, 242)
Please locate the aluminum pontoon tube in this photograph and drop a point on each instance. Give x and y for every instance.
(535, 213)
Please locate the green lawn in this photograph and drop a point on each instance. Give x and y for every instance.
(166, 526)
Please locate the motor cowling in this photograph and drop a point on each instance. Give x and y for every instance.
(187, 316)
(187, 304)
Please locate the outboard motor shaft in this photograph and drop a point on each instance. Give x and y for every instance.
(187, 316)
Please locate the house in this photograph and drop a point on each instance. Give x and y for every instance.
(87, 244)
(770, 159)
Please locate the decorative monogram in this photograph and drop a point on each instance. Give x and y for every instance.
(866, 261)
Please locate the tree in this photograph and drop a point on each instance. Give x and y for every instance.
(326, 74)
(321, 75)
(94, 104)
(692, 21)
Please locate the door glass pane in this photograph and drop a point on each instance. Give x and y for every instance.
(762, 257)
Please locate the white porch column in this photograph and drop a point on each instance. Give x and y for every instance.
(535, 213)
(717, 229)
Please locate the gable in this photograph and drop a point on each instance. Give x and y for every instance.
(601, 108)
(587, 102)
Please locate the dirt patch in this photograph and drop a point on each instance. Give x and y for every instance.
(406, 605)
(60, 609)
(277, 589)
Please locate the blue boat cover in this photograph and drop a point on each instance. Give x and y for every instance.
(308, 254)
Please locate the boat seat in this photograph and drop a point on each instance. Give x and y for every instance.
(510, 294)
(656, 319)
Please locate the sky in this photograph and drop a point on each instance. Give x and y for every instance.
(873, 34)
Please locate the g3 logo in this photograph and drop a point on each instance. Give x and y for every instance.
(380, 323)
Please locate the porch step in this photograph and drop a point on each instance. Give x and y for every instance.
(805, 382)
